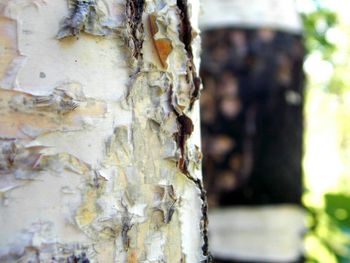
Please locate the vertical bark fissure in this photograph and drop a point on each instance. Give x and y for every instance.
(134, 12)
(184, 123)
(185, 130)
(186, 34)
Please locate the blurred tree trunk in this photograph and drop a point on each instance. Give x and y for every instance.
(251, 110)
(99, 132)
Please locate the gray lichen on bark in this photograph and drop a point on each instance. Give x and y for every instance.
(84, 15)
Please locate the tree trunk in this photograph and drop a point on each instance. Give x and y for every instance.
(99, 132)
(252, 129)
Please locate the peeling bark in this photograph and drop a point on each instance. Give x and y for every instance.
(99, 152)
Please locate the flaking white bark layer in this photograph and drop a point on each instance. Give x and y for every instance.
(98, 162)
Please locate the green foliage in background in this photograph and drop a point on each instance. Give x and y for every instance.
(328, 237)
(316, 25)
(329, 230)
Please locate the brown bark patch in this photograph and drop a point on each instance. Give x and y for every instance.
(132, 257)
(163, 45)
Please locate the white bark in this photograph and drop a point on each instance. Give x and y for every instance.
(98, 161)
(258, 234)
(280, 14)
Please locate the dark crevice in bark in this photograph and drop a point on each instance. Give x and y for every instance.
(204, 220)
(185, 27)
(126, 227)
(185, 129)
(185, 31)
(134, 11)
(82, 258)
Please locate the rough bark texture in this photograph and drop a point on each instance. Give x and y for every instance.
(99, 149)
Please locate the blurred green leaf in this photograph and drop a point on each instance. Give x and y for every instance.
(338, 208)
(316, 25)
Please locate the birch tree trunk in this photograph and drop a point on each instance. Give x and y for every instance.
(99, 139)
(252, 124)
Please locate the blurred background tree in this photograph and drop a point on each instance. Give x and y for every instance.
(252, 126)
(326, 163)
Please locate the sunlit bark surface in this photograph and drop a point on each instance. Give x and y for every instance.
(99, 148)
